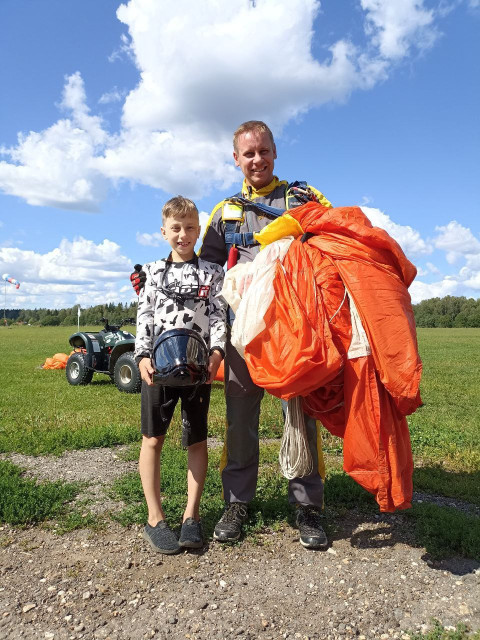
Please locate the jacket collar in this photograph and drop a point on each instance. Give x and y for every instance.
(251, 192)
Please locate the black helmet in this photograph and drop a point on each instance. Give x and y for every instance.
(180, 358)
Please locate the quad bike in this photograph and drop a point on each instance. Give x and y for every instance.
(110, 351)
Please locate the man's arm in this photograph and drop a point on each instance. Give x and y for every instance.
(217, 325)
(213, 246)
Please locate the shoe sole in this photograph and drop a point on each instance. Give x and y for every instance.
(188, 544)
(306, 545)
(220, 538)
(167, 552)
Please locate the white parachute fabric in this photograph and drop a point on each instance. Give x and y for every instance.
(250, 288)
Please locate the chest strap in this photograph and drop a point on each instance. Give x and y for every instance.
(232, 237)
(295, 193)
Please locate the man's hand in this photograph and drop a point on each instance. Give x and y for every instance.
(137, 278)
(213, 364)
(146, 370)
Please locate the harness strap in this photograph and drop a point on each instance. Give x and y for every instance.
(245, 239)
(258, 206)
(296, 192)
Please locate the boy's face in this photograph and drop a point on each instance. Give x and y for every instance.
(255, 155)
(181, 234)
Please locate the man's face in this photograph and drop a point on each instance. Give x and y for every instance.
(181, 234)
(255, 155)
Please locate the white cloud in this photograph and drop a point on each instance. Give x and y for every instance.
(177, 125)
(459, 244)
(150, 239)
(458, 241)
(76, 272)
(422, 291)
(396, 26)
(409, 239)
(54, 167)
(433, 268)
(115, 95)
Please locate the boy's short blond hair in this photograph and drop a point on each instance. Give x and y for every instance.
(248, 127)
(179, 207)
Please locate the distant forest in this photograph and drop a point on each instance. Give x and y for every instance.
(115, 314)
(436, 312)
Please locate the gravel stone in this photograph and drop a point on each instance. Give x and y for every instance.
(371, 583)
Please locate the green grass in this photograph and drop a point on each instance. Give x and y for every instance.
(438, 632)
(23, 501)
(445, 531)
(54, 416)
(446, 429)
(40, 413)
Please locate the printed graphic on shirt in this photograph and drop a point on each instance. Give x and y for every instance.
(181, 295)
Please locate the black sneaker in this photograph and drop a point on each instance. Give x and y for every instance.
(229, 526)
(191, 534)
(308, 521)
(161, 538)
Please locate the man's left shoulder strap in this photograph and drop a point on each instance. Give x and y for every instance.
(299, 192)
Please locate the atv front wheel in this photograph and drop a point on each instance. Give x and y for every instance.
(126, 374)
(77, 371)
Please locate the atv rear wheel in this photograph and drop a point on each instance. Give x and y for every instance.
(77, 371)
(126, 374)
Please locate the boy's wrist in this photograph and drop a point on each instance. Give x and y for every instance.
(219, 350)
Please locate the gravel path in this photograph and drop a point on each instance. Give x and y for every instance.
(371, 583)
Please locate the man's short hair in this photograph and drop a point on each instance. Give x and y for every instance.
(251, 125)
(179, 207)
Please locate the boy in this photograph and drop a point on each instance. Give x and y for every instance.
(181, 292)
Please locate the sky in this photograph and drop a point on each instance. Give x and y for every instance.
(108, 109)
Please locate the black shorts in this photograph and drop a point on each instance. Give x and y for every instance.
(194, 411)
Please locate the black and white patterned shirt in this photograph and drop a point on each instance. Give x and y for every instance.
(198, 307)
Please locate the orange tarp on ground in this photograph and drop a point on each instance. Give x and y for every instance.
(306, 348)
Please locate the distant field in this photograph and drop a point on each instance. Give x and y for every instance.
(41, 412)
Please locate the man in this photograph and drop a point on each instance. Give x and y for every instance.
(229, 237)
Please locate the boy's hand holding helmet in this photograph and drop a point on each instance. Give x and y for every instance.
(146, 370)
(213, 363)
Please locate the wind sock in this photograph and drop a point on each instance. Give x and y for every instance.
(8, 278)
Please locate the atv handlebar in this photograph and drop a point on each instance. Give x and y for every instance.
(111, 327)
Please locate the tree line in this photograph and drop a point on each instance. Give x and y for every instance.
(450, 311)
(92, 316)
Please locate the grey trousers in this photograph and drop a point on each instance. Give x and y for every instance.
(241, 455)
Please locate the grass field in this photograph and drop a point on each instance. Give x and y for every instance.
(42, 414)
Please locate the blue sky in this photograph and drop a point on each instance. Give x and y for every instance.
(109, 109)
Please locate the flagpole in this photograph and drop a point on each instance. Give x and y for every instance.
(78, 318)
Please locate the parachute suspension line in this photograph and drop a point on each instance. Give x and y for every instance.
(341, 305)
(295, 458)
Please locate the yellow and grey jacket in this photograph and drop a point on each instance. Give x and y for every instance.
(244, 220)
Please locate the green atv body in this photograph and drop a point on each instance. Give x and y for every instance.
(110, 351)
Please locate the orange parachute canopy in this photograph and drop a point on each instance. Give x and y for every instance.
(58, 361)
(340, 333)
(220, 373)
